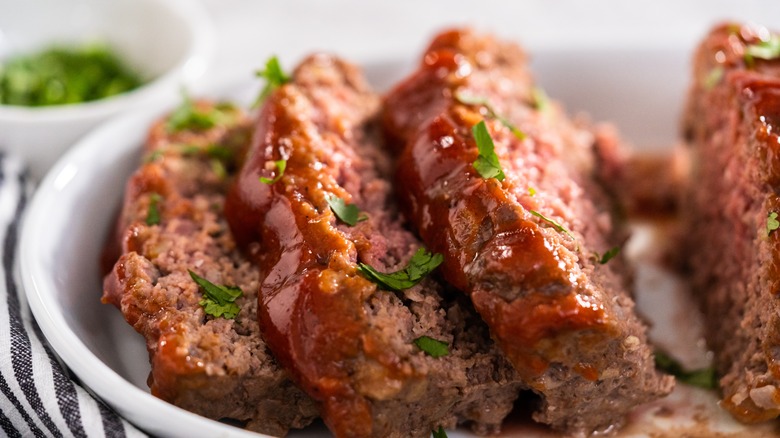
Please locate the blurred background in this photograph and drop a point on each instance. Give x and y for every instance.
(625, 61)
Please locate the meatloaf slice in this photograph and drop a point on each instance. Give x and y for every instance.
(732, 246)
(172, 223)
(529, 249)
(348, 343)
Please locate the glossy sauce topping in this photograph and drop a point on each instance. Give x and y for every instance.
(493, 250)
(312, 299)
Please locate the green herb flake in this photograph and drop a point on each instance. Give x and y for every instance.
(274, 77)
(215, 151)
(218, 301)
(350, 214)
(218, 168)
(607, 256)
(189, 149)
(772, 223)
(713, 77)
(539, 99)
(280, 165)
(439, 433)
(219, 152)
(153, 212)
(703, 378)
(560, 228)
(767, 50)
(468, 99)
(432, 347)
(531, 191)
(487, 163)
(154, 156)
(421, 264)
(189, 117)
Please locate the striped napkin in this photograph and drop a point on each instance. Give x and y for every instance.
(38, 396)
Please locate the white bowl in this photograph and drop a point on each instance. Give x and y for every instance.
(167, 41)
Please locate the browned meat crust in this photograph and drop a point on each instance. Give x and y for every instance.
(564, 320)
(346, 342)
(215, 367)
(732, 123)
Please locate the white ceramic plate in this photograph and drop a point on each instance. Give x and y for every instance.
(641, 88)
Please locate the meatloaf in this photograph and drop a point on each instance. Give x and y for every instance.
(172, 223)
(353, 346)
(732, 244)
(527, 246)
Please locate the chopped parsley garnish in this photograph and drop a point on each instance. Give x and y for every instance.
(219, 152)
(439, 433)
(491, 112)
(772, 223)
(153, 213)
(218, 167)
(274, 77)
(487, 163)
(62, 75)
(768, 50)
(607, 256)
(432, 347)
(531, 191)
(188, 116)
(539, 99)
(154, 156)
(560, 228)
(350, 214)
(703, 378)
(421, 264)
(218, 300)
(215, 151)
(713, 77)
(280, 166)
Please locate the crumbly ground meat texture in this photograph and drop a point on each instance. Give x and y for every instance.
(216, 367)
(347, 343)
(731, 123)
(645, 185)
(524, 250)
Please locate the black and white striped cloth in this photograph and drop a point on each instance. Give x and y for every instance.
(38, 398)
